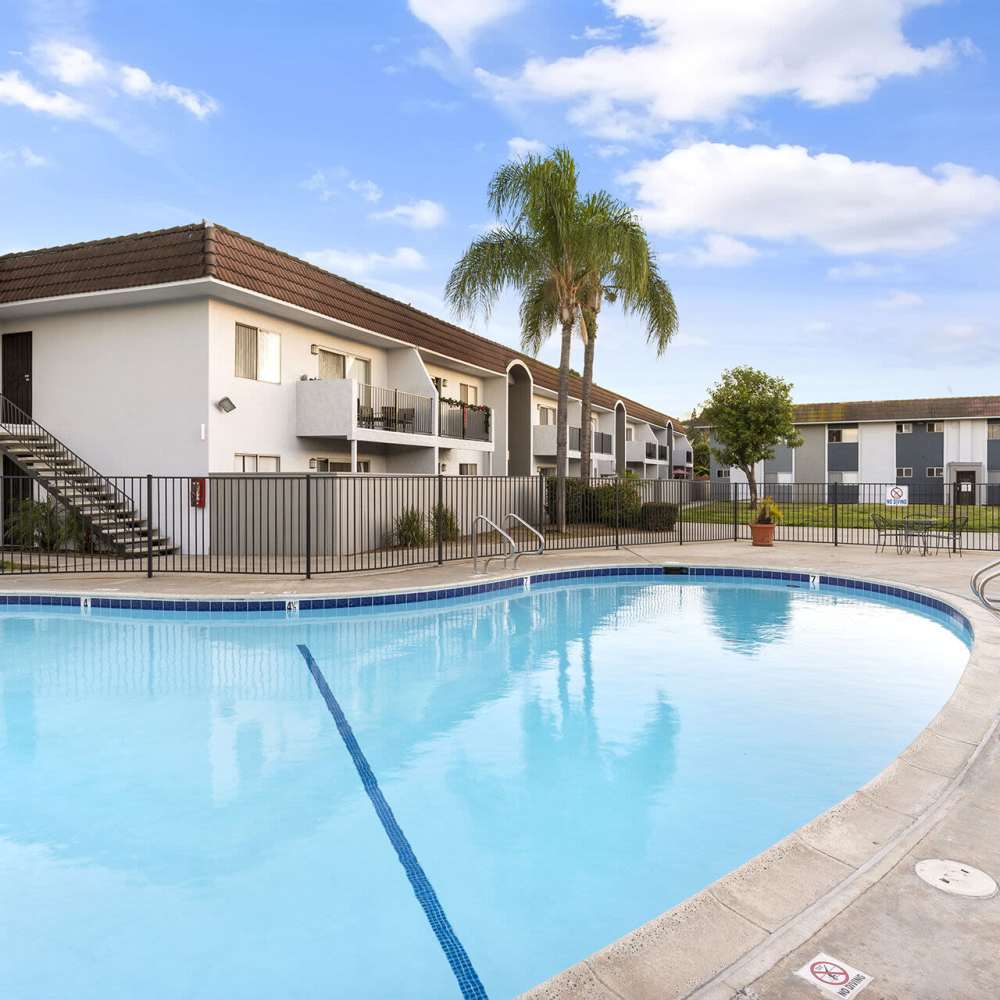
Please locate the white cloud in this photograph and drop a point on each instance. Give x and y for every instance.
(24, 156)
(861, 270)
(138, 83)
(818, 326)
(459, 21)
(900, 300)
(608, 150)
(14, 89)
(368, 190)
(358, 263)
(725, 251)
(601, 33)
(706, 60)
(422, 214)
(69, 64)
(784, 193)
(961, 331)
(519, 147)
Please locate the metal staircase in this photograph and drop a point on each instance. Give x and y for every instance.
(106, 510)
(981, 579)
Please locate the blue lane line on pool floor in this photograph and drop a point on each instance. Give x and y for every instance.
(468, 980)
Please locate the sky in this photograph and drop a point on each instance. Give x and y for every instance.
(820, 179)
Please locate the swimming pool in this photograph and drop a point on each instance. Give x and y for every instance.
(455, 797)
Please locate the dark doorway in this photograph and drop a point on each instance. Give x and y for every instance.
(15, 408)
(965, 488)
(15, 362)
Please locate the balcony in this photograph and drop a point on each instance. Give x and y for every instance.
(460, 420)
(393, 410)
(544, 436)
(650, 451)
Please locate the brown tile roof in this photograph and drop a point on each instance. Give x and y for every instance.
(206, 250)
(898, 409)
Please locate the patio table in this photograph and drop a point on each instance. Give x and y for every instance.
(915, 531)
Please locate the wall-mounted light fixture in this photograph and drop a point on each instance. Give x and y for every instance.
(314, 349)
(226, 405)
(312, 463)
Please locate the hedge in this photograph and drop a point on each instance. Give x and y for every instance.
(658, 516)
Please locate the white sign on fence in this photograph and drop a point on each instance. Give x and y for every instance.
(897, 496)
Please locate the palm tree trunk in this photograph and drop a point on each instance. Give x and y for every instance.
(562, 423)
(586, 437)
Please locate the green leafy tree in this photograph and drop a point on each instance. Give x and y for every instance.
(539, 250)
(750, 413)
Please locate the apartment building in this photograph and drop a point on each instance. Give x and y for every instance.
(199, 351)
(921, 443)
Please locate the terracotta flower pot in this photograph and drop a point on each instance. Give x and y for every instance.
(762, 534)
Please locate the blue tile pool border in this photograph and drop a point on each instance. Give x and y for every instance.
(454, 952)
(256, 606)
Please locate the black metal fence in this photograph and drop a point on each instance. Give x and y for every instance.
(313, 524)
(953, 516)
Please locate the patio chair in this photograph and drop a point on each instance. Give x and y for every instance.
(889, 530)
(949, 535)
(366, 416)
(389, 418)
(407, 419)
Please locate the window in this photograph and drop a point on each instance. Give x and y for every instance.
(546, 415)
(629, 432)
(256, 463)
(328, 465)
(468, 469)
(722, 473)
(904, 471)
(935, 472)
(935, 426)
(842, 435)
(258, 354)
(904, 429)
(993, 431)
(332, 365)
(468, 393)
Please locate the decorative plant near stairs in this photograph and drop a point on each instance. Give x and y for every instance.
(45, 525)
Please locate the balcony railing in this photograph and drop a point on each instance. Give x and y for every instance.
(394, 410)
(459, 420)
(650, 450)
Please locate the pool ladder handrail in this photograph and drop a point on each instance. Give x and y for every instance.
(531, 552)
(514, 551)
(981, 579)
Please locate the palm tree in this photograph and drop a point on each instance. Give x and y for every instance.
(622, 268)
(540, 248)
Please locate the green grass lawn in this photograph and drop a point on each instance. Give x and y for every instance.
(849, 515)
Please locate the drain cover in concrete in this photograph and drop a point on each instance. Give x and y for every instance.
(956, 878)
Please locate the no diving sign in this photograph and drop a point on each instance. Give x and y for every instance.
(897, 496)
(834, 977)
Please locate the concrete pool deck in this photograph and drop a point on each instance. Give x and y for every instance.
(844, 884)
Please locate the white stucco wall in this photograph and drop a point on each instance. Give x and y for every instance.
(877, 452)
(125, 388)
(965, 441)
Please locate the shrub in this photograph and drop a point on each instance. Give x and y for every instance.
(618, 502)
(767, 512)
(580, 505)
(43, 524)
(444, 524)
(410, 528)
(658, 516)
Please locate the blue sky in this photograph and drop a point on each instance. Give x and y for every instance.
(819, 177)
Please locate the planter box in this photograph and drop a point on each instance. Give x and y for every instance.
(762, 534)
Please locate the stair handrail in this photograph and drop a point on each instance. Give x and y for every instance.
(981, 579)
(12, 418)
(511, 516)
(512, 551)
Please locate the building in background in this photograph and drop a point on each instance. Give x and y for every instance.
(924, 444)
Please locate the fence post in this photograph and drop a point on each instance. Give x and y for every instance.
(680, 508)
(149, 527)
(736, 512)
(954, 516)
(309, 523)
(541, 503)
(618, 511)
(836, 526)
(439, 518)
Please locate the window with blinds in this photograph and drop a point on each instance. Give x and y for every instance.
(258, 354)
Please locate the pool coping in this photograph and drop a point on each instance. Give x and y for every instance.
(727, 935)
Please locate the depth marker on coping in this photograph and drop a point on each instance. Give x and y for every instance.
(461, 966)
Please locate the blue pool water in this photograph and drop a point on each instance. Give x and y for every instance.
(458, 798)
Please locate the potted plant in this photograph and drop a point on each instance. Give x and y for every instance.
(766, 515)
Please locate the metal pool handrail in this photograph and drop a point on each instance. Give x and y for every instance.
(512, 551)
(541, 539)
(981, 579)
